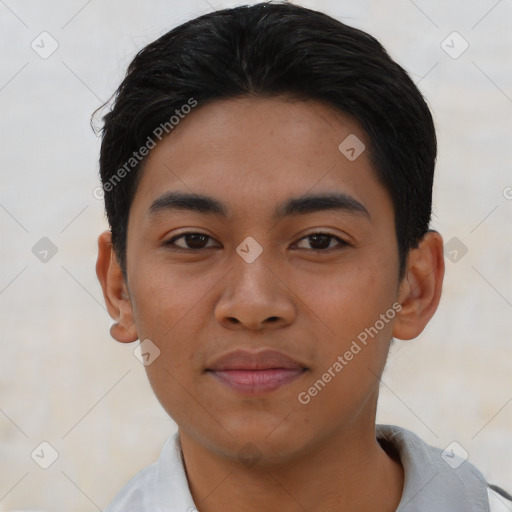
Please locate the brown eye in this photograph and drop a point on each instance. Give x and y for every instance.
(321, 242)
(193, 241)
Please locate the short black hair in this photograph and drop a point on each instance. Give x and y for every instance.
(266, 50)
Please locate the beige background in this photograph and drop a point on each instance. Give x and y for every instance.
(65, 381)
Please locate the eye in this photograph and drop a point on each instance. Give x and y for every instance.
(322, 241)
(193, 241)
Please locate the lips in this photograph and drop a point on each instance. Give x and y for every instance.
(256, 372)
(263, 360)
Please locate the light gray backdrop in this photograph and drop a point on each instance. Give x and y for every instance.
(65, 382)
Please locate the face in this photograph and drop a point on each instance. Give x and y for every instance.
(257, 266)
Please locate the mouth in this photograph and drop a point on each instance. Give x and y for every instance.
(256, 373)
(257, 381)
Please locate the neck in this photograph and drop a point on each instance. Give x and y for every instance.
(347, 472)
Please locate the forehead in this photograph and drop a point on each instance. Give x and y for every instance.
(260, 151)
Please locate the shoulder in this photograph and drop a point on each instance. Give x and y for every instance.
(499, 499)
(436, 476)
(160, 487)
(135, 495)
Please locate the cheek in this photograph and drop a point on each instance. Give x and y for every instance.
(169, 309)
(353, 336)
(344, 303)
(353, 353)
(163, 298)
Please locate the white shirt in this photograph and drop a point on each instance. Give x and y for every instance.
(431, 483)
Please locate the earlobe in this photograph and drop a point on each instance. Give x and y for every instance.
(420, 289)
(115, 291)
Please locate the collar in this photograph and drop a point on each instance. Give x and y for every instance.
(430, 483)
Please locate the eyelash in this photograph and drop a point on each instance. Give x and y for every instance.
(170, 243)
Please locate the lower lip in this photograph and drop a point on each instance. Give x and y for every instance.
(257, 381)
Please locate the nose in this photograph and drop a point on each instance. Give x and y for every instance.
(255, 297)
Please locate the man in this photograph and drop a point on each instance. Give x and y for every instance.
(268, 180)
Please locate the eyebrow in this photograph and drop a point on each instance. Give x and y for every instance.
(308, 203)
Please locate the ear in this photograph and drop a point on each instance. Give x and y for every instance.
(420, 289)
(115, 291)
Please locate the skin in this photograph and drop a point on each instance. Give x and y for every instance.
(252, 154)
